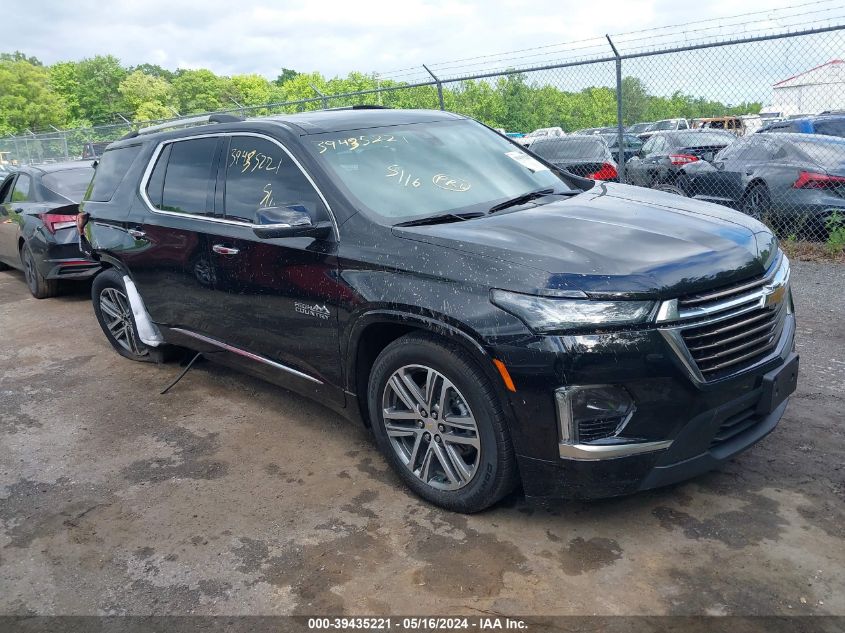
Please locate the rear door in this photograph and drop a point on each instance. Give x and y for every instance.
(15, 202)
(276, 298)
(8, 250)
(171, 264)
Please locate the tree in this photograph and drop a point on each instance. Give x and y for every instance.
(156, 71)
(95, 87)
(251, 89)
(18, 56)
(26, 98)
(286, 75)
(200, 91)
(145, 95)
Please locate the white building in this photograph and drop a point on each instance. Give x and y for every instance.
(814, 91)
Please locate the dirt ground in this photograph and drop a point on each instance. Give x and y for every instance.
(230, 496)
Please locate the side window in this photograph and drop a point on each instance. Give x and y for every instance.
(259, 174)
(185, 175)
(649, 145)
(6, 189)
(22, 188)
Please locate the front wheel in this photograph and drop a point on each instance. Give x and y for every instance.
(114, 313)
(438, 420)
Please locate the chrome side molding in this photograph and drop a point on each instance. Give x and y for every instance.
(592, 452)
(246, 354)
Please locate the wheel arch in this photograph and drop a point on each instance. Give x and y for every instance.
(373, 331)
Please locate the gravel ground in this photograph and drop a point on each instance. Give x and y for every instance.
(230, 496)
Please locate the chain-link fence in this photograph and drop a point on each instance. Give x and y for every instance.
(754, 123)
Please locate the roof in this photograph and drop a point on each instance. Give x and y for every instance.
(319, 121)
(806, 76)
(47, 168)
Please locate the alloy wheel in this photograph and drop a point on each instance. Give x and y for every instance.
(431, 427)
(117, 315)
(755, 203)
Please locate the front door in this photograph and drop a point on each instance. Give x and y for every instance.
(8, 228)
(276, 298)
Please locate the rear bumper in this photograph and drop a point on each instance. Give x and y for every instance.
(702, 444)
(59, 257)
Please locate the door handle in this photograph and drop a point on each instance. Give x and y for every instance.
(136, 233)
(224, 250)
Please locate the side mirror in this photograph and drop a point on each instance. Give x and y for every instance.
(289, 221)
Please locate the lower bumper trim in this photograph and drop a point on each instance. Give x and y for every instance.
(589, 452)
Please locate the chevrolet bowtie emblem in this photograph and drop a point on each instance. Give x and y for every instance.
(774, 296)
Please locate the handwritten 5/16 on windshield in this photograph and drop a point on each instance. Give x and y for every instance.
(403, 178)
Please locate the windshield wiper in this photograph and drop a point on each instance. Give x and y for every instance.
(528, 197)
(442, 218)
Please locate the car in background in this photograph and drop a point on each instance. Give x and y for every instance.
(737, 125)
(659, 164)
(666, 125)
(829, 124)
(793, 180)
(545, 132)
(585, 155)
(639, 128)
(94, 150)
(631, 145)
(596, 130)
(38, 209)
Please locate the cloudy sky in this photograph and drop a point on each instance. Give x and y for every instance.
(337, 36)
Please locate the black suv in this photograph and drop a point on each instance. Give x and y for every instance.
(491, 318)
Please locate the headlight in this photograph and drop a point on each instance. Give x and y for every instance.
(549, 314)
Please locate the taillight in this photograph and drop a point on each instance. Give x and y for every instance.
(682, 159)
(53, 222)
(605, 172)
(810, 180)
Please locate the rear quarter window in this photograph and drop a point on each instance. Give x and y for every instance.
(110, 172)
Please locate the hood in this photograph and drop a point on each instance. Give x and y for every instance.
(616, 240)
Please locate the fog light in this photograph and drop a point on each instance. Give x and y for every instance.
(589, 413)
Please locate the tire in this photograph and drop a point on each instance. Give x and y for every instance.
(111, 307)
(471, 464)
(670, 188)
(684, 183)
(756, 202)
(39, 286)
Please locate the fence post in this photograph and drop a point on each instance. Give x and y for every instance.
(323, 97)
(439, 87)
(620, 167)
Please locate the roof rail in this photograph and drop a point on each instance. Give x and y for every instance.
(189, 121)
(361, 106)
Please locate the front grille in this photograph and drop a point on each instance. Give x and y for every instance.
(721, 332)
(725, 346)
(591, 430)
(735, 425)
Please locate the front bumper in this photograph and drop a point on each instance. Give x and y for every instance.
(696, 449)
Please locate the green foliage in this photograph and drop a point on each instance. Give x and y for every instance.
(201, 91)
(835, 225)
(95, 91)
(26, 98)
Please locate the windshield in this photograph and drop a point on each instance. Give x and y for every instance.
(702, 139)
(413, 171)
(664, 125)
(69, 183)
(572, 147)
(639, 127)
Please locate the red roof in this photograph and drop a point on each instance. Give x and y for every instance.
(830, 63)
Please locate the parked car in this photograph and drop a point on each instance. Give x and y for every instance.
(639, 128)
(667, 125)
(830, 124)
(737, 125)
(660, 161)
(631, 145)
(546, 132)
(596, 130)
(38, 208)
(587, 156)
(797, 180)
(490, 318)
